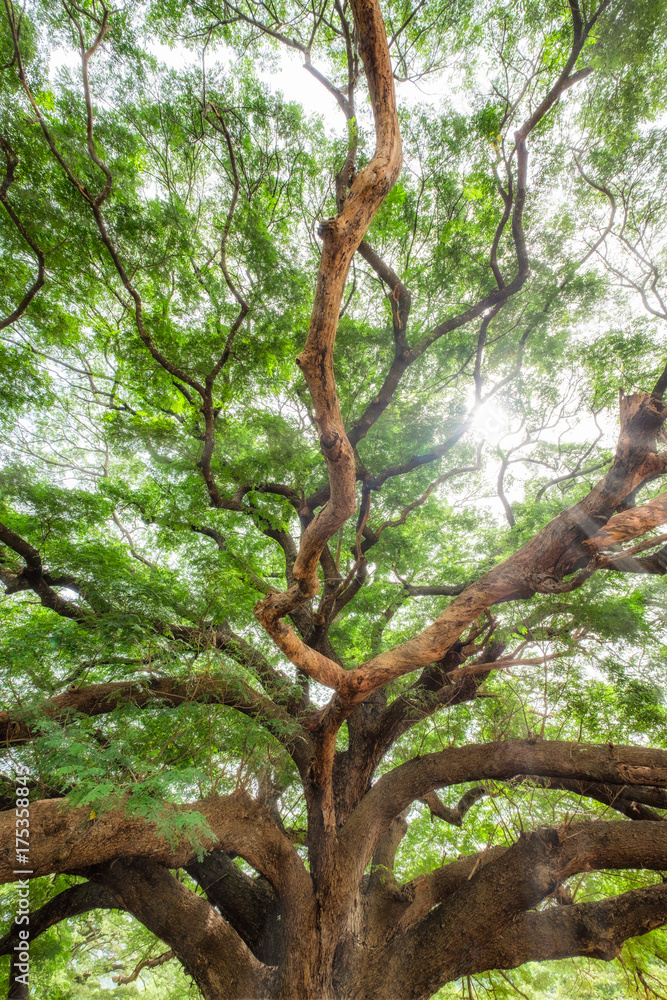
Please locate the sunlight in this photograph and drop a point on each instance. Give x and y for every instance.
(491, 422)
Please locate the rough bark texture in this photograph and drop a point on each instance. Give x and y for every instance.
(286, 935)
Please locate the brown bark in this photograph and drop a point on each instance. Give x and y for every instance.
(249, 904)
(478, 762)
(285, 937)
(209, 949)
(18, 988)
(68, 839)
(594, 930)
(146, 963)
(155, 692)
(635, 803)
(331, 929)
(448, 941)
(341, 237)
(567, 547)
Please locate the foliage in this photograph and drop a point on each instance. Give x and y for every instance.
(219, 185)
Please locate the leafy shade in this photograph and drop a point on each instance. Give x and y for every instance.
(331, 525)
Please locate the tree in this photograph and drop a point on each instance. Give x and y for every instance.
(317, 557)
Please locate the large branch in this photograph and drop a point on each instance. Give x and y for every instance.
(635, 803)
(593, 930)
(66, 840)
(447, 941)
(568, 545)
(503, 760)
(354, 686)
(442, 685)
(158, 692)
(341, 237)
(371, 734)
(221, 964)
(249, 904)
(427, 890)
(631, 523)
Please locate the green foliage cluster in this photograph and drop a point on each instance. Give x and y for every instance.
(100, 446)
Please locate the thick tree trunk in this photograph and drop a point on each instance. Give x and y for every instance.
(342, 932)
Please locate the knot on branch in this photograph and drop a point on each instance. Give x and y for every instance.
(552, 583)
(327, 227)
(332, 444)
(551, 836)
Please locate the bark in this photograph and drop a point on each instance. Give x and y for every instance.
(558, 559)
(18, 990)
(594, 930)
(426, 891)
(209, 949)
(446, 943)
(394, 791)
(249, 904)
(66, 839)
(634, 803)
(100, 699)
(454, 816)
(356, 935)
(567, 545)
(341, 237)
(331, 929)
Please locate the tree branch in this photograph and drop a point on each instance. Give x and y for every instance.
(249, 904)
(445, 943)
(207, 946)
(69, 903)
(146, 963)
(341, 237)
(593, 930)
(12, 162)
(67, 840)
(160, 692)
(395, 790)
